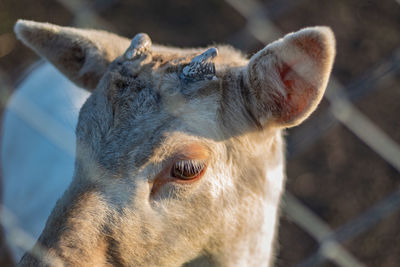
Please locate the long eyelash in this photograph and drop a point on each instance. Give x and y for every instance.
(190, 166)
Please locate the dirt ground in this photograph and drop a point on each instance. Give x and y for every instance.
(334, 173)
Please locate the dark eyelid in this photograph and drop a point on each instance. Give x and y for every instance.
(165, 177)
(187, 166)
(192, 151)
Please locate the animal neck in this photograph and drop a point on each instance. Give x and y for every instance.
(255, 247)
(249, 240)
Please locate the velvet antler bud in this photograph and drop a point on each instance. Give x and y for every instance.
(201, 67)
(140, 44)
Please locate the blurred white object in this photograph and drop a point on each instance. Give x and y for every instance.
(37, 152)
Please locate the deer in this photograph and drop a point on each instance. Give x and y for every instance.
(180, 155)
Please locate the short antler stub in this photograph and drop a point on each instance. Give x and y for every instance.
(140, 44)
(201, 67)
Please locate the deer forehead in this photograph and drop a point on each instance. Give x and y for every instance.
(139, 92)
(153, 89)
(136, 108)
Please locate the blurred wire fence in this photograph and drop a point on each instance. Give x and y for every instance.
(259, 24)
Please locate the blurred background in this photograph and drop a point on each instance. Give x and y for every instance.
(342, 207)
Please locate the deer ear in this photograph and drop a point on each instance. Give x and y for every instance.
(81, 55)
(286, 80)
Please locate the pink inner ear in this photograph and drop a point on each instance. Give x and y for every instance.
(289, 76)
(299, 94)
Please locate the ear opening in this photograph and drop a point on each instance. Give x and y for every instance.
(80, 54)
(287, 79)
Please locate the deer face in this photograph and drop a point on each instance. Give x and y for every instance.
(179, 152)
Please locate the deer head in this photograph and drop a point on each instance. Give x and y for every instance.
(179, 151)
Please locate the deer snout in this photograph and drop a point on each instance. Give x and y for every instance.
(74, 232)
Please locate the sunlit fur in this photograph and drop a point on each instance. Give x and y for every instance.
(140, 115)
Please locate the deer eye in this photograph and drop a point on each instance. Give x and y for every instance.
(187, 169)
